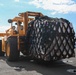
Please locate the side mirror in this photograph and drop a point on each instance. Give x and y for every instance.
(9, 21)
(15, 23)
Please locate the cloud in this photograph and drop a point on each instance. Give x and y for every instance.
(56, 6)
(17, 0)
(3, 28)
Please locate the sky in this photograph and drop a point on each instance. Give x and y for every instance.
(52, 8)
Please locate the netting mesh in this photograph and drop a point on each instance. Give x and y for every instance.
(50, 38)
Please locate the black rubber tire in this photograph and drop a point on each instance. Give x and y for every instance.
(1, 53)
(51, 38)
(13, 53)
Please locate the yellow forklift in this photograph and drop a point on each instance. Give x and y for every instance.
(39, 37)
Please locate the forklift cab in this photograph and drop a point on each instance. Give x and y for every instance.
(16, 26)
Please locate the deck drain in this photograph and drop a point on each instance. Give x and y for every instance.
(72, 70)
(69, 61)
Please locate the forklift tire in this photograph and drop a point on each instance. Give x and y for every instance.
(12, 52)
(51, 39)
(1, 53)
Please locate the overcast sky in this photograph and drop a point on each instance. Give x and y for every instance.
(53, 8)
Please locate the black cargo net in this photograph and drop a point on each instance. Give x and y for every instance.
(50, 38)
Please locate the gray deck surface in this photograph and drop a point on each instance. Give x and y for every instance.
(29, 67)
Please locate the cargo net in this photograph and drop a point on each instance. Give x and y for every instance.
(50, 38)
